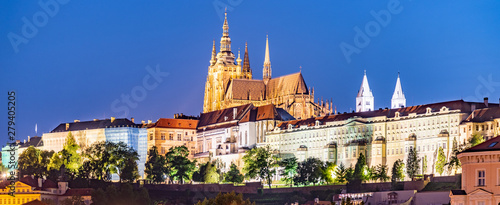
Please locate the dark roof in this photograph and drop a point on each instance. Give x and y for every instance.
(489, 145)
(266, 112)
(484, 114)
(222, 118)
(175, 123)
(80, 191)
(458, 192)
(390, 113)
(35, 202)
(33, 141)
(96, 124)
(33, 182)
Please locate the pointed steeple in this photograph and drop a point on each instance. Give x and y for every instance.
(225, 41)
(246, 61)
(267, 62)
(398, 98)
(214, 54)
(364, 99)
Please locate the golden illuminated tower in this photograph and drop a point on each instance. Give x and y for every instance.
(222, 69)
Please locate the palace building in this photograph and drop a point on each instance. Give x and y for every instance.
(230, 83)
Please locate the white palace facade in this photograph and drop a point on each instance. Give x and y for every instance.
(383, 135)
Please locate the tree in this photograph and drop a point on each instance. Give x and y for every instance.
(309, 171)
(179, 167)
(360, 169)
(341, 173)
(211, 175)
(155, 166)
(397, 173)
(226, 199)
(441, 161)
(260, 162)
(98, 162)
(424, 165)
(289, 169)
(233, 175)
(475, 140)
(380, 173)
(412, 163)
(124, 162)
(28, 163)
(329, 171)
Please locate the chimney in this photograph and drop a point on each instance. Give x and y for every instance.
(149, 122)
(473, 107)
(235, 110)
(76, 121)
(486, 101)
(63, 187)
(132, 119)
(143, 122)
(24, 142)
(112, 119)
(28, 138)
(40, 182)
(67, 126)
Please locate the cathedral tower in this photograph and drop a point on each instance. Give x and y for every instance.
(364, 100)
(398, 98)
(222, 70)
(266, 72)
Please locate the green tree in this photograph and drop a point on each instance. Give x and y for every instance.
(412, 163)
(226, 199)
(397, 172)
(155, 166)
(360, 169)
(211, 175)
(179, 167)
(124, 162)
(309, 171)
(341, 174)
(441, 161)
(329, 171)
(380, 173)
(260, 162)
(289, 169)
(98, 162)
(233, 175)
(28, 163)
(424, 165)
(475, 140)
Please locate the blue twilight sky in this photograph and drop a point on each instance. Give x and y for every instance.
(75, 59)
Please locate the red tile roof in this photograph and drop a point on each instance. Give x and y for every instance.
(175, 123)
(485, 114)
(222, 118)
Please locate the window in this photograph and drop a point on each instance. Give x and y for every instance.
(481, 178)
(170, 136)
(179, 137)
(162, 150)
(150, 136)
(162, 136)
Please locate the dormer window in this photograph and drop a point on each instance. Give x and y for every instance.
(316, 123)
(397, 115)
(428, 110)
(290, 126)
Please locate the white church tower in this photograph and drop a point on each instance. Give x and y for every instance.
(398, 98)
(364, 100)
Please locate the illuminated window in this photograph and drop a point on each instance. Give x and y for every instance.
(170, 136)
(162, 136)
(179, 137)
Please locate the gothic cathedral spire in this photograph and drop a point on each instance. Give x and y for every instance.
(246, 61)
(365, 99)
(214, 54)
(398, 98)
(267, 63)
(225, 41)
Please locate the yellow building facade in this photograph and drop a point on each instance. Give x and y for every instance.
(166, 133)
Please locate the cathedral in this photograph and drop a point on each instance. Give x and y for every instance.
(230, 83)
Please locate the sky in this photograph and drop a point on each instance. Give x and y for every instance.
(68, 59)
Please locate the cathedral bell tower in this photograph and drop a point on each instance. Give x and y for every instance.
(364, 100)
